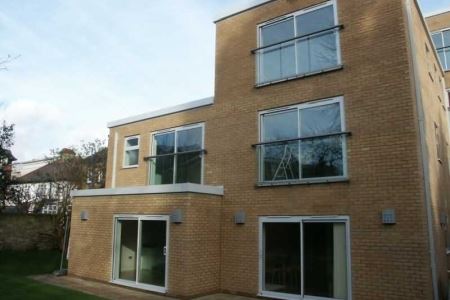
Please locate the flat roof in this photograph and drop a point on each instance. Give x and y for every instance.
(240, 9)
(163, 112)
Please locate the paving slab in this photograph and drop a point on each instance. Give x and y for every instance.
(115, 292)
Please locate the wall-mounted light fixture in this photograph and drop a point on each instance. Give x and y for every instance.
(84, 215)
(176, 216)
(239, 218)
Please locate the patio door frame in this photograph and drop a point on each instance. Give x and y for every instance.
(301, 220)
(116, 242)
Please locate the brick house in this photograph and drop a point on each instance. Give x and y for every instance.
(318, 170)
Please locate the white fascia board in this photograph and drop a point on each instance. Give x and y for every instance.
(163, 112)
(241, 9)
(152, 189)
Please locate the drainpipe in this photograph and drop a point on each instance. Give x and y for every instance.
(423, 149)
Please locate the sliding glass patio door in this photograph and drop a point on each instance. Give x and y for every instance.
(304, 258)
(140, 252)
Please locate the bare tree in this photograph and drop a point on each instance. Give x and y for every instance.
(6, 158)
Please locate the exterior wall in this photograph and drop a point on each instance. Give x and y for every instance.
(435, 113)
(194, 254)
(439, 22)
(384, 165)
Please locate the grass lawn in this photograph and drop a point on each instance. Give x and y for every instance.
(15, 266)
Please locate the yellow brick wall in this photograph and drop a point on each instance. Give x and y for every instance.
(388, 262)
(194, 245)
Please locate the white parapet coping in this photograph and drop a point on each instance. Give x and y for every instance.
(163, 112)
(152, 189)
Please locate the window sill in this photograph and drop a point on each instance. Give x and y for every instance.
(300, 76)
(302, 182)
(130, 167)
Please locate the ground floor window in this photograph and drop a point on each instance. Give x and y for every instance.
(140, 252)
(304, 257)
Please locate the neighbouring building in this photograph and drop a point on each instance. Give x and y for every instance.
(319, 169)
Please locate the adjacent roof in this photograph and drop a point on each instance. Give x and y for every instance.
(163, 112)
(241, 9)
(437, 12)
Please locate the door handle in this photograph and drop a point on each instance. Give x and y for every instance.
(165, 250)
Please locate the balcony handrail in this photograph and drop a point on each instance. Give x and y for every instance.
(303, 138)
(340, 27)
(201, 151)
(443, 48)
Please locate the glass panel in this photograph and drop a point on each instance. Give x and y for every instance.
(442, 58)
(437, 40)
(322, 157)
(280, 161)
(282, 257)
(320, 120)
(280, 126)
(152, 260)
(446, 38)
(189, 168)
(325, 260)
(132, 157)
(132, 142)
(447, 55)
(279, 61)
(190, 139)
(128, 230)
(164, 143)
(163, 170)
(315, 20)
(317, 53)
(162, 167)
(278, 32)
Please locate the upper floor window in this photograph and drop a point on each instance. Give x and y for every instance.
(177, 155)
(303, 143)
(131, 155)
(441, 41)
(297, 44)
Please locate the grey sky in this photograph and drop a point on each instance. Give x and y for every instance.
(84, 63)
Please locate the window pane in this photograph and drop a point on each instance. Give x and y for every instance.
(278, 32)
(322, 157)
(442, 58)
(189, 140)
(164, 143)
(277, 62)
(189, 168)
(437, 40)
(131, 157)
(320, 120)
(315, 20)
(132, 142)
(325, 260)
(163, 170)
(446, 38)
(317, 53)
(280, 162)
(128, 230)
(447, 55)
(282, 257)
(280, 126)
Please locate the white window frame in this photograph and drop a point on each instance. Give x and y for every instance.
(299, 107)
(294, 15)
(116, 238)
(446, 65)
(301, 220)
(128, 148)
(175, 130)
